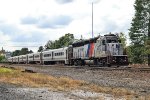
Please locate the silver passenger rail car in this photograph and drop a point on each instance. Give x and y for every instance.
(37, 58)
(30, 58)
(59, 56)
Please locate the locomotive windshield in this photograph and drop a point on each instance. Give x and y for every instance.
(111, 39)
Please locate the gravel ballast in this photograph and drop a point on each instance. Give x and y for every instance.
(137, 81)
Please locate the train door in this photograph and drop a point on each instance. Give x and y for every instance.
(70, 55)
(33, 57)
(27, 59)
(52, 55)
(66, 54)
(41, 58)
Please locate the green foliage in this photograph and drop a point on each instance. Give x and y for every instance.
(137, 26)
(137, 53)
(128, 50)
(123, 39)
(23, 51)
(30, 51)
(40, 49)
(138, 31)
(62, 42)
(147, 47)
(5, 70)
(1, 57)
(16, 53)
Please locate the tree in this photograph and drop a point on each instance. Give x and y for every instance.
(62, 42)
(2, 57)
(16, 53)
(139, 30)
(49, 44)
(40, 49)
(148, 41)
(123, 39)
(30, 51)
(24, 51)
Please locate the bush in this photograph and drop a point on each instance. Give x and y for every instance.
(1, 58)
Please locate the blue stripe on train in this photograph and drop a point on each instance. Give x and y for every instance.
(87, 54)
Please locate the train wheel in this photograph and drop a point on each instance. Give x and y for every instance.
(75, 63)
(80, 62)
(108, 65)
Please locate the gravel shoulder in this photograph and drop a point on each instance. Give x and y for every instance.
(137, 81)
(14, 92)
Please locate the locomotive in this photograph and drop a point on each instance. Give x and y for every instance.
(104, 50)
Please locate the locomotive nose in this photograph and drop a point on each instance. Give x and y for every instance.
(115, 48)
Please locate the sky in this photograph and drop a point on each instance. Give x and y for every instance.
(31, 23)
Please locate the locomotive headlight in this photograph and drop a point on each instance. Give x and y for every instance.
(114, 60)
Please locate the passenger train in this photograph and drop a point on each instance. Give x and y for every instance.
(104, 50)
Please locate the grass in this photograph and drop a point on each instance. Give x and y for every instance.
(56, 83)
(38, 80)
(5, 70)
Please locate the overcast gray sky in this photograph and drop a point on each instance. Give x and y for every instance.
(31, 23)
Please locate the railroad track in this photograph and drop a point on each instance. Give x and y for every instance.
(131, 69)
(125, 68)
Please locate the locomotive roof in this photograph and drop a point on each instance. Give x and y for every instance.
(110, 35)
(82, 42)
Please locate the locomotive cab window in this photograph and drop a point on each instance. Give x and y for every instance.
(103, 42)
(111, 40)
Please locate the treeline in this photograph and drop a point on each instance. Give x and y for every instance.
(23, 51)
(63, 41)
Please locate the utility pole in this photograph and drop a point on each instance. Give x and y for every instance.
(92, 21)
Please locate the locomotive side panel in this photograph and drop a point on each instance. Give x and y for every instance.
(100, 50)
(89, 50)
(78, 52)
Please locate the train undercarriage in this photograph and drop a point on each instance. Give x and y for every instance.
(102, 62)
